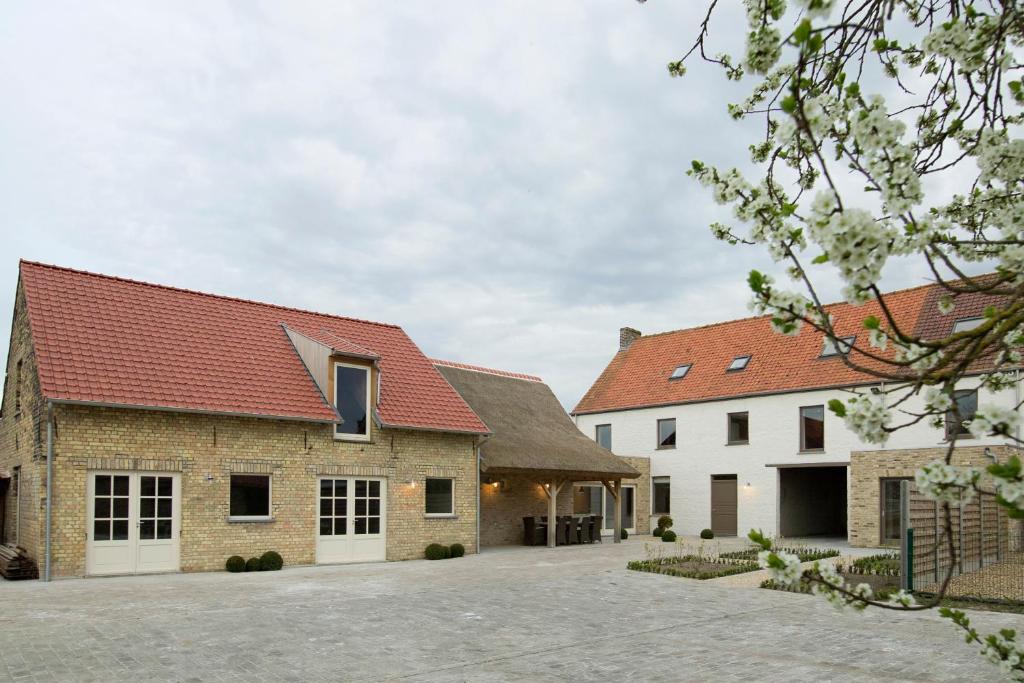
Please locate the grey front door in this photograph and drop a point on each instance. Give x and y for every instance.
(723, 504)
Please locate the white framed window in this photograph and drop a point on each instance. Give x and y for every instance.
(680, 371)
(250, 497)
(603, 436)
(966, 324)
(738, 363)
(837, 347)
(352, 401)
(440, 497)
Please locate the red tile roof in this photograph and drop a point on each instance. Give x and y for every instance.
(109, 340)
(489, 371)
(638, 376)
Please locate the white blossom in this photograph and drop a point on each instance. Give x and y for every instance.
(783, 567)
(946, 483)
(937, 400)
(993, 420)
(868, 419)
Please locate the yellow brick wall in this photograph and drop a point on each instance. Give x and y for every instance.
(868, 468)
(22, 439)
(206, 449)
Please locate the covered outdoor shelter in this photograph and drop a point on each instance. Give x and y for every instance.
(534, 454)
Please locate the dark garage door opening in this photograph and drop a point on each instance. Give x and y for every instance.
(812, 501)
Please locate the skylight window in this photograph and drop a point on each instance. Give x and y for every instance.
(738, 363)
(680, 372)
(839, 347)
(964, 324)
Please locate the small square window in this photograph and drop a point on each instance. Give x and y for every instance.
(838, 347)
(966, 324)
(603, 436)
(440, 497)
(966, 406)
(812, 428)
(680, 371)
(739, 428)
(250, 496)
(738, 363)
(667, 433)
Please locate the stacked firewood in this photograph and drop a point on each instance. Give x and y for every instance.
(14, 564)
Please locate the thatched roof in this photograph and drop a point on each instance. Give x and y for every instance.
(530, 429)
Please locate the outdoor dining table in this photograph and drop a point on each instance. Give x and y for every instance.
(571, 529)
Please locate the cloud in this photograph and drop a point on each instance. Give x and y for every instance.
(506, 181)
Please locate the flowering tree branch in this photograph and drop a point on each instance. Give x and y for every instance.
(844, 179)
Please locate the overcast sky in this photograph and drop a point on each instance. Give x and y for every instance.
(506, 180)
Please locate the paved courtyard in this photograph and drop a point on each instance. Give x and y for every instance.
(513, 614)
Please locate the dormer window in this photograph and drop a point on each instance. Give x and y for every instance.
(680, 371)
(838, 347)
(738, 363)
(965, 324)
(352, 400)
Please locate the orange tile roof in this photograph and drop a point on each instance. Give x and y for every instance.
(108, 340)
(638, 376)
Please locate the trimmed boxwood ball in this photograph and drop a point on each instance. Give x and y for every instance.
(707, 533)
(457, 549)
(235, 564)
(271, 561)
(669, 536)
(664, 522)
(658, 531)
(253, 565)
(436, 551)
(625, 534)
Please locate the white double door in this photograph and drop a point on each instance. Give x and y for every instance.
(134, 522)
(351, 520)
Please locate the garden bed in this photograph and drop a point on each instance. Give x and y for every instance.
(693, 567)
(804, 553)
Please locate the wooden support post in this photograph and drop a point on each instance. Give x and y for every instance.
(551, 489)
(615, 489)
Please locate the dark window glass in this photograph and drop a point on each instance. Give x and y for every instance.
(101, 530)
(120, 530)
(667, 433)
(738, 428)
(662, 499)
(147, 529)
(812, 428)
(440, 496)
(250, 495)
(102, 486)
(966, 406)
(603, 434)
(350, 398)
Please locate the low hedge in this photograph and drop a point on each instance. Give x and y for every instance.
(707, 534)
(271, 561)
(625, 534)
(664, 522)
(457, 550)
(672, 567)
(668, 536)
(253, 564)
(436, 551)
(658, 531)
(235, 564)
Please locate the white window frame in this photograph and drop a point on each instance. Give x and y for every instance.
(840, 346)
(270, 498)
(369, 406)
(451, 512)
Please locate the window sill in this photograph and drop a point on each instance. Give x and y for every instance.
(811, 451)
(440, 516)
(250, 520)
(352, 438)
(665, 448)
(737, 443)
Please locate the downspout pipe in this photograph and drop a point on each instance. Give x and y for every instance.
(47, 553)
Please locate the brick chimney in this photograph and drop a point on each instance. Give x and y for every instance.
(627, 335)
